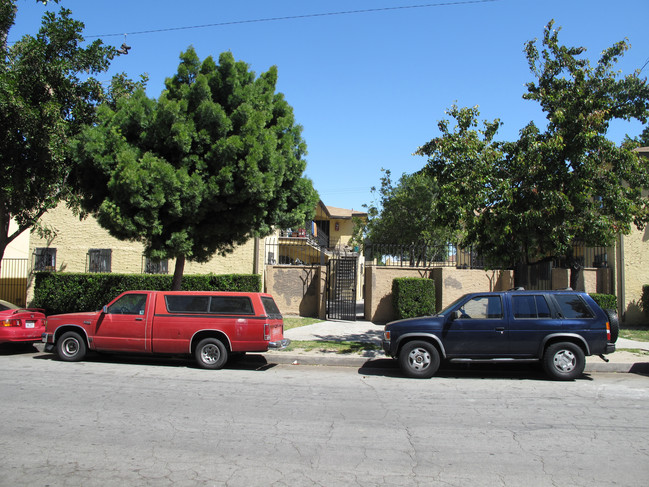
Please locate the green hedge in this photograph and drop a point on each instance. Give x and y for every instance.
(644, 299)
(68, 293)
(412, 297)
(605, 301)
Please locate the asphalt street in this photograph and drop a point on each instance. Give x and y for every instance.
(114, 420)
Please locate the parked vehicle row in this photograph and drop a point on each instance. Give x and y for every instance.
(556, 328)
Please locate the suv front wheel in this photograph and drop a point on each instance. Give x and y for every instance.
(564, 361)
(419, 359)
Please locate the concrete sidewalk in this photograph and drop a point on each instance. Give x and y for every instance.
(368, 332)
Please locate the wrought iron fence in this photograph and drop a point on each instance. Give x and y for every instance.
(422, 255)
(585, 257)
(285, 251)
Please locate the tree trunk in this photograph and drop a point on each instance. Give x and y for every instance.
(576, 276)
(178, 273)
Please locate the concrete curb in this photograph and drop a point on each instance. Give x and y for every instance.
(356, 361)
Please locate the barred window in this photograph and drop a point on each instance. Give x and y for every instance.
(153, 266)
(45, 259)
(99, 260)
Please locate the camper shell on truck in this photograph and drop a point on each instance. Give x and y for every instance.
(210, 326)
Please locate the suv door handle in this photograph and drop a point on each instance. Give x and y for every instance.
(500, 328)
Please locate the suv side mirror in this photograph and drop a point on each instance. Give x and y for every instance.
(455, 315)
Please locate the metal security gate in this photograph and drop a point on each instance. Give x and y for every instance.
(341, 288)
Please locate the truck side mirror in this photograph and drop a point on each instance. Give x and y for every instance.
(105, 310)
(456, 315)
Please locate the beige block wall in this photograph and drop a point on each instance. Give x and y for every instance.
(73, 239)
(450, 284)
(636, 274)
(297, 290)
(18, 248)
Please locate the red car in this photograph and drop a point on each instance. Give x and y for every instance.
(20, 325)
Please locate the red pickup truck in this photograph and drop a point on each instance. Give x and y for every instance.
(211, 326)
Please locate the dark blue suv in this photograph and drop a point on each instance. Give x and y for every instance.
(559, 328)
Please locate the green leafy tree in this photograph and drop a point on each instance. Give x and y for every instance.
(641, 140)
(216, 159)
(46, 96)
(532, 199)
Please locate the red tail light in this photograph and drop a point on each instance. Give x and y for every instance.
(267, 332)
(608, 331)
(11, 323)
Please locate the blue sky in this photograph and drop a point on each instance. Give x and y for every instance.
(368, 88)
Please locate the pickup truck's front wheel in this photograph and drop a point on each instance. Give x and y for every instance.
(71, 347)
(211, 354)
(419, 359)
(564, 361)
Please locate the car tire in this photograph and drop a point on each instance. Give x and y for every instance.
(71, 347)
(564, 361)
(614, 322)
(419, 359)
(211, 354)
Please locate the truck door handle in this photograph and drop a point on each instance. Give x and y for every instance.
(139, 319)
(500, 328)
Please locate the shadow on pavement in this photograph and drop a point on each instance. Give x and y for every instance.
(17, 348)
(641, 368)
(254, 362)
(390, 368)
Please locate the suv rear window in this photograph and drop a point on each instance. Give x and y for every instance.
(530, 307)
(572, 306)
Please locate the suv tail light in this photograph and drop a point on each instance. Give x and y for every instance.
(267, 332)
(608, 331)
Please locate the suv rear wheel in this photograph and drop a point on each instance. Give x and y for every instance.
(419, 359)
(564, 361)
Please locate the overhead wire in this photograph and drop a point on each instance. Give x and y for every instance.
(294, 17)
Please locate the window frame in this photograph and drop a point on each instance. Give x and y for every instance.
(40, 255)
(105, 258)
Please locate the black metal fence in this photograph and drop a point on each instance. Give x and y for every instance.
(585, 257)
(422, 255)
(307, 251)
(293, 251)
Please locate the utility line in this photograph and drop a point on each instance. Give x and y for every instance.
(293, 17)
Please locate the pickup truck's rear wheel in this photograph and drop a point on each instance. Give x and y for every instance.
(71, 347)
(564, 361)
(211, 354)
(419, 359)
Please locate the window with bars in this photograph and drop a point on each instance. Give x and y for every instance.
(99, 260)
(153, 266)
(44, 259)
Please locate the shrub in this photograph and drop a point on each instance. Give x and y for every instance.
(413, 297)
(605, 301)
(68, 293)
